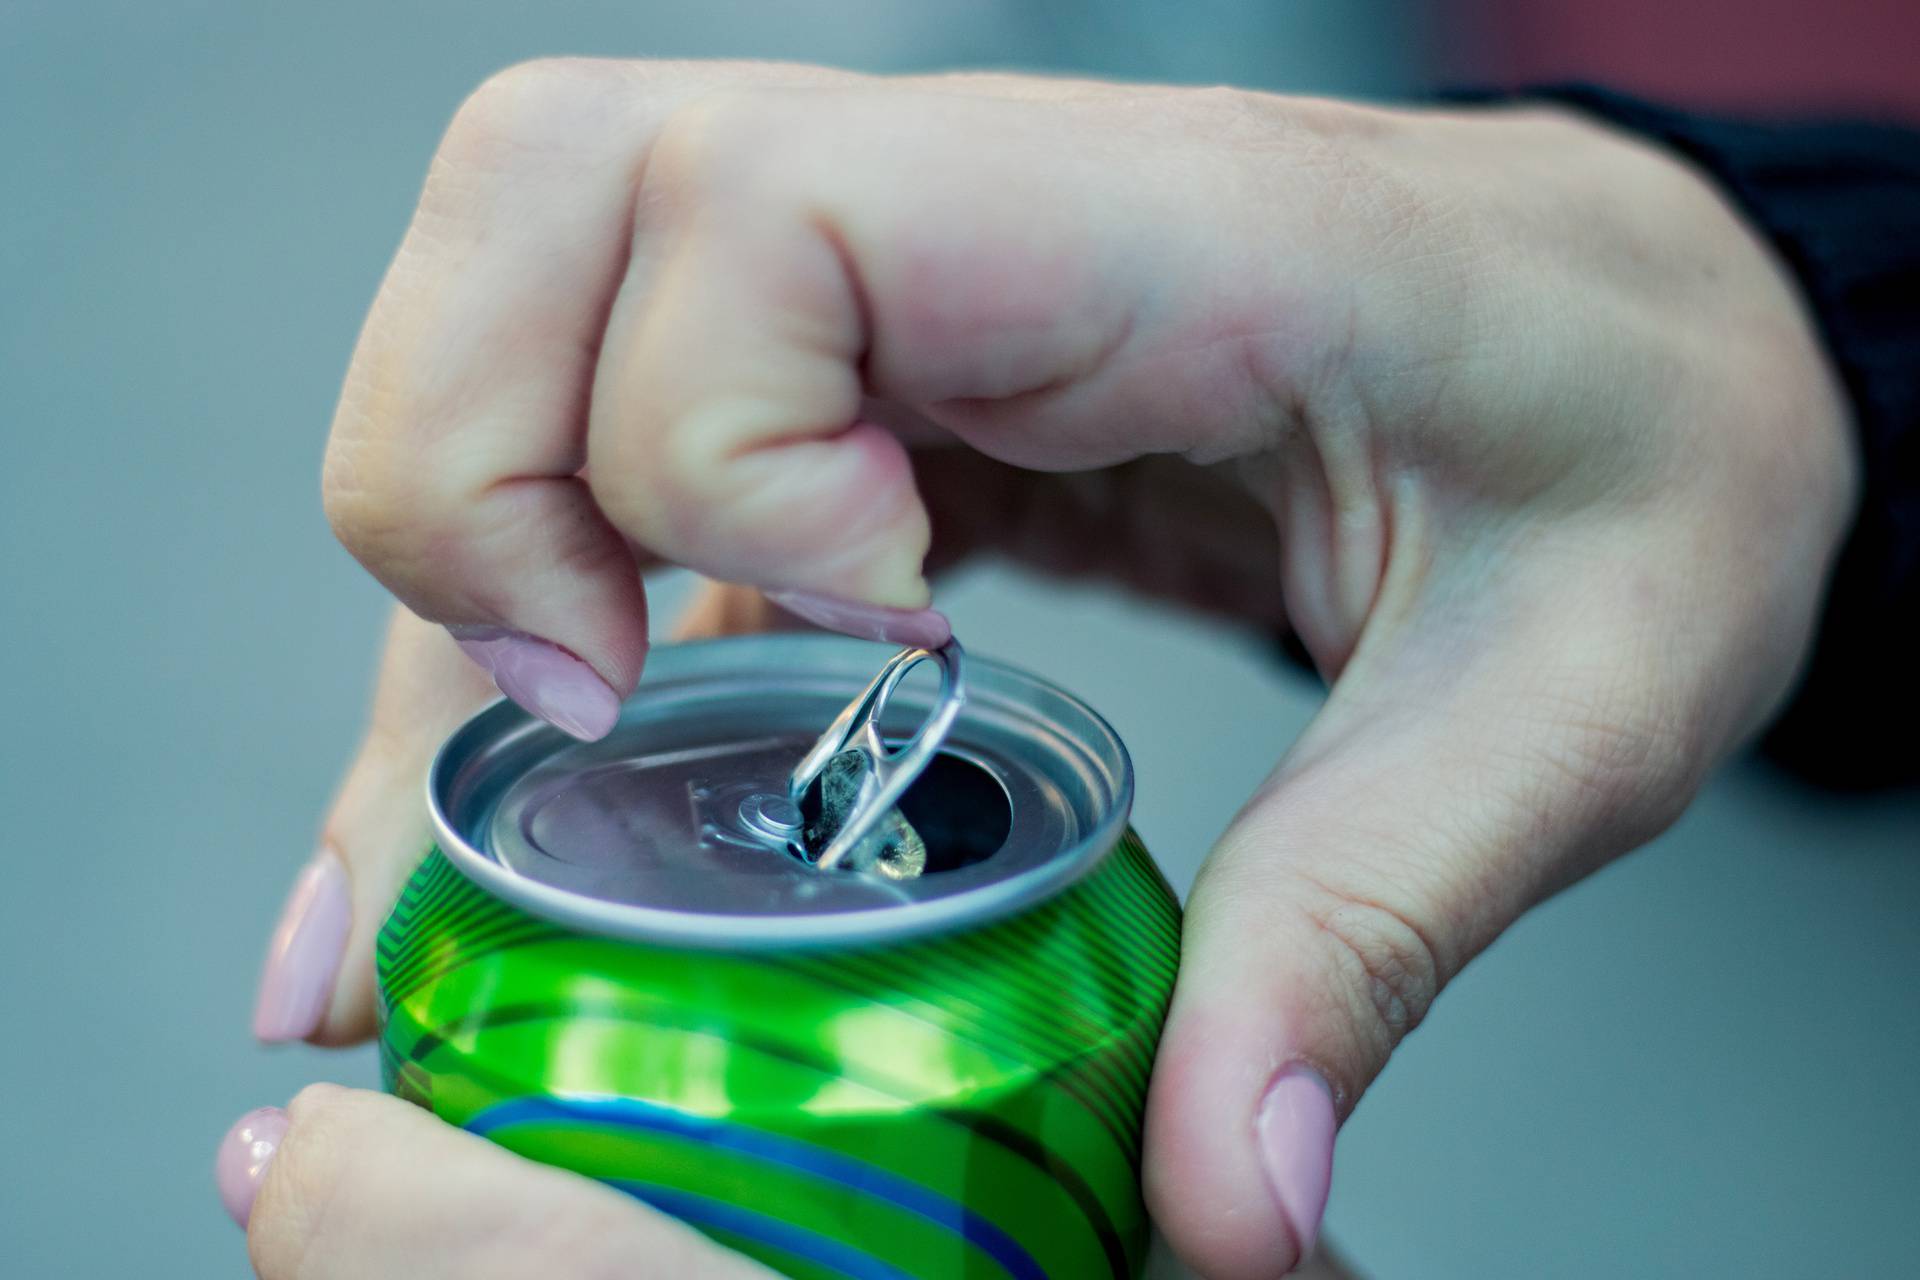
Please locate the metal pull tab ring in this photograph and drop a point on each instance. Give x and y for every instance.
(889, 773)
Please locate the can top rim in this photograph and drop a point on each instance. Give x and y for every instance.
(1030, 728)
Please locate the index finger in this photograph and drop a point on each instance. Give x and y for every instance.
(453, 469)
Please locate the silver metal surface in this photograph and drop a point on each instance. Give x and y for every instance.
(673, 827)
(886, 772)
(769, 815)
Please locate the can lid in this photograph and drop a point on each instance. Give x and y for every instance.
(673, 828)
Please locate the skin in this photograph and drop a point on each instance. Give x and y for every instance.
(1508, 417)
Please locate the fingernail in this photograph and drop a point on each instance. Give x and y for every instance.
(297, 980)
(543, 678)
(1295, 1134)
(244, 1155)
(922, 628)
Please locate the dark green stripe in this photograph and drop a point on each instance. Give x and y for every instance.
(501, 935)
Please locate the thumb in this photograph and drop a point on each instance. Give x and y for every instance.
(1431, 802)
(317, 979)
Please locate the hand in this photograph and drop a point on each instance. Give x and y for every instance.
(348, 1185)
(1508, 417)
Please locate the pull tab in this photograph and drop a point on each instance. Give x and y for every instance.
(880, 776)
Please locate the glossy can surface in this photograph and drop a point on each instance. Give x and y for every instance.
(961, 1102)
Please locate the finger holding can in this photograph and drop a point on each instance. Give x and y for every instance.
(316, 981)
(345, 1183)
(1479, 753)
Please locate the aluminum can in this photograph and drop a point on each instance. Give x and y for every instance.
(602, 967)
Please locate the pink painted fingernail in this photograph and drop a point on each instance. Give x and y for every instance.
(1295, 1133)
(243, 1158)
(543, 678)
(304, 957)
(923, 628)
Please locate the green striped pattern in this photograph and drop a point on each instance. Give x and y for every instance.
(964, 1106)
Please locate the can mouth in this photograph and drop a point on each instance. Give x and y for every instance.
(666, 830)
(957, 807)
(953, 814)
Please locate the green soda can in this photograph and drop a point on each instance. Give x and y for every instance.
(852, 1008)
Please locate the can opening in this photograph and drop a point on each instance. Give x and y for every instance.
(960, 810)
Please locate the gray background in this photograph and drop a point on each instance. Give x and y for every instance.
(1702, 1062)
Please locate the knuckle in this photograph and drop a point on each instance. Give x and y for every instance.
(1388, 961)
(318, 1106)
(714, 141)
(349, 496)
(662, 482)
(301, 1184)
(374, 503)
(318, 1145)
(538, 105)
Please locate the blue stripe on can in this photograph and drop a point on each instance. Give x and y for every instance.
(857, 1175)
